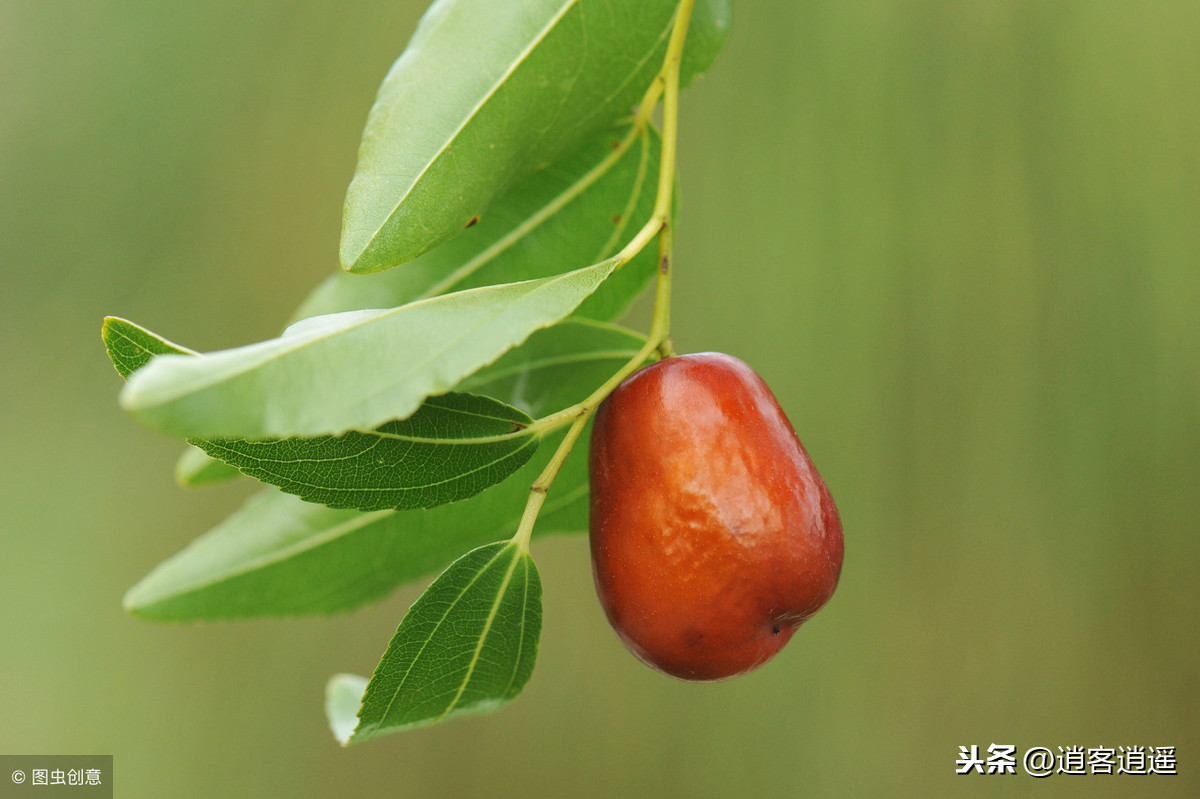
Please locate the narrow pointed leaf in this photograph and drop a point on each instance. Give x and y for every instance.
(526, 84)
(453, 447)
(467, 645)
(279, 556)
(578, 210)
(350, 371)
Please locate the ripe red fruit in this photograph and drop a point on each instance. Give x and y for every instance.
(713, 537)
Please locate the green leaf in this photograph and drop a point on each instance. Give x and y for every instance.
(485, 93)
(578, 210)
(130, 346)
(453, 447)
(707, 33)
(343, 698)
(195, 469)
(467, 645)
(279, 556)
(350, 371)
(557, 367)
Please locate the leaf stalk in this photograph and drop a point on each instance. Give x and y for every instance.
(665, 86)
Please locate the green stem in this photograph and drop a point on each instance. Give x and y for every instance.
(665, 86)
(581, 412)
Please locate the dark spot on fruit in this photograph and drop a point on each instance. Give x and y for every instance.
(775, 630)
(693, 638)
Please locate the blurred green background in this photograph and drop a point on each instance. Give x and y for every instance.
(961, 240)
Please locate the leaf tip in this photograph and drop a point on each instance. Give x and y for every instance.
(366, 262)
(128, 399)
(133, 603)
(358, 256)
(364, 253)
(195, 469)
(146, 600)
(343, 698)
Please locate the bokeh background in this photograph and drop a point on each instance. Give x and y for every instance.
(961, 240)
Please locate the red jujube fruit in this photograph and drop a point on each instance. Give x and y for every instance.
(713, 537)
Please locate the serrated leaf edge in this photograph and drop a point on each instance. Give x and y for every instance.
(518, 556)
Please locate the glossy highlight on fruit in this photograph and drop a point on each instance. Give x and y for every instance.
(713, 537)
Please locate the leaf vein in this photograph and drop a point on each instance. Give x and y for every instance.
(495, 87)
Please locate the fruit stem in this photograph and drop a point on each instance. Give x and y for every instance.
(660, 326)
(581, 413)
(670, 88)
(666, 86)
